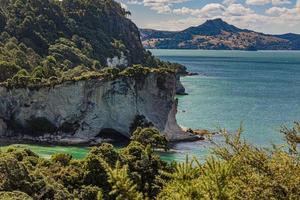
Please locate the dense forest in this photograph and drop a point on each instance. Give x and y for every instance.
(45, 42)
(236, 170)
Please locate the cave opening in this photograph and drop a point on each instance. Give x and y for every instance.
(114, 137)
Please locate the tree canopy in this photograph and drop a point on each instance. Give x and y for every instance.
(236, 170)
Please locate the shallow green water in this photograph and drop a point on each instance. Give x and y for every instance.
(47, 151)
(262, 89)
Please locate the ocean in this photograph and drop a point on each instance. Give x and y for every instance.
(258, 89)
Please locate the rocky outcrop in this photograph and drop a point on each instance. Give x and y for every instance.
(79, 112)
(180, 90)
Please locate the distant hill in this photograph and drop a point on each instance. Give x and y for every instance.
(219, 35)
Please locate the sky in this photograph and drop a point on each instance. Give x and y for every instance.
(268, 16)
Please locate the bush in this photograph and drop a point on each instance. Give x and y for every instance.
(61, 158)
(91, 193)
(7, 70)
(15, 195)
(235, 170)
(150, 136)
(14, 175)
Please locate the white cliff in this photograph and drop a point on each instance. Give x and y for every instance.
(77, 112)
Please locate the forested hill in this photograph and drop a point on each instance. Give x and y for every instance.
(219, 35)
(47, 40)
(93, 29)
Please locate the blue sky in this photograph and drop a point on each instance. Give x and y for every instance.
(269, 16)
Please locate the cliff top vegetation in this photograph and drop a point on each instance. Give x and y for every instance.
(45, 42)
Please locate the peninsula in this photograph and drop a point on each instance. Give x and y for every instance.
(217, 34)
(74, 71)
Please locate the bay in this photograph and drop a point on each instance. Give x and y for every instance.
(259, 89)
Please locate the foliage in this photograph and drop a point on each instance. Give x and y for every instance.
(15, 195)
(123, 187)
(150, 136)
(140, 121)
(70, 40)
(8, 70)
(236, 170)
(61, 158)
(292, 136)
(50, 38)
(153, 62)
(144, 166)
(91, 193)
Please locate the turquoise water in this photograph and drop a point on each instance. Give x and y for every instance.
(260, 89)
(47, 151)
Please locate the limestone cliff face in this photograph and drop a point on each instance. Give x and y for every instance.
(180, 90)
(79, 112)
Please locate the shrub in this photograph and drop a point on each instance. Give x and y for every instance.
(15, 195)
(61, 158)
(140, 121)
(91, 193)
(7, 70)
(14, 175)
(237, 170)
(150, 136)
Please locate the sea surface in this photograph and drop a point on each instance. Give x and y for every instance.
(260, 90)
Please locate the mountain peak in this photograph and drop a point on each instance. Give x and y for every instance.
(212, 27)
(216, 26)
(215, 21)
(218, 34)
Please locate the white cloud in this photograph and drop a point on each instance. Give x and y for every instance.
(139, 2)
(276, 19)
(209, 10)
(229, 2)
(213, 9)
(238, 10)
(187, 11)
(161, 6)
(276, 11)
(264, 2)
(280, 2)
(257, 2)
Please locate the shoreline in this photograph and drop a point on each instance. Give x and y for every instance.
(78, 142)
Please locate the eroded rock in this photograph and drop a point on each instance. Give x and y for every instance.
(76, 112)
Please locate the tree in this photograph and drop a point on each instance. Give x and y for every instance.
(7, 70)
(144, 166)
(2, 21)
(122, 187)
(292, 137)
(91, 193)
(14, 175)
(150, 136)
(61, 158)
(14, 196)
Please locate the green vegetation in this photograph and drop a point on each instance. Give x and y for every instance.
(47, 42)
(236, 170)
